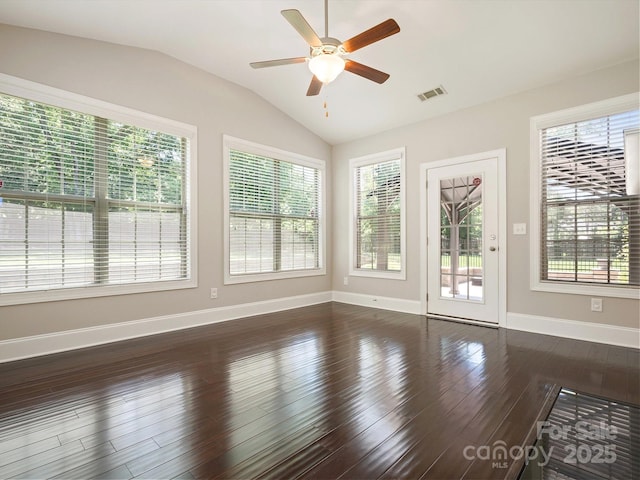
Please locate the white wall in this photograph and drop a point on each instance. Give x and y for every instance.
(160, 85)
(490, 126)
(157, 84)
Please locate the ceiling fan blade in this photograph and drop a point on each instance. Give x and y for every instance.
(314, 87)
(380, 31)
(275, 63)
(297, 21)
(366, 72)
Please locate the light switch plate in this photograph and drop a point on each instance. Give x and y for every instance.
(519, 228)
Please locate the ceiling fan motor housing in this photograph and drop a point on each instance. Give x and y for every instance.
(329, 46)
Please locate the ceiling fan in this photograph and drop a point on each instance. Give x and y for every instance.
(326, 58)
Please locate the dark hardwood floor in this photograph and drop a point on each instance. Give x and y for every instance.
(328, 391)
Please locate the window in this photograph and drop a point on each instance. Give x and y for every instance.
(93, 201)
(587, 199)
(274, 215)
(378, 215)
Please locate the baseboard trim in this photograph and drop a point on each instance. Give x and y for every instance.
(591, 332)
(33, 346)
(26, 347)
(375, 301)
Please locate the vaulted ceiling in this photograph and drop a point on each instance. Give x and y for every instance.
(478, 50)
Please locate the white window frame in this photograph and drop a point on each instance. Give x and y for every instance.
(537, 124)
(61, 98)
(232, 143)
(354, 163)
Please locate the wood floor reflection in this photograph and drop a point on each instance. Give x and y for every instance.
(328, 391)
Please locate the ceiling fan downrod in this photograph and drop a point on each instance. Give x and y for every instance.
(326, 18)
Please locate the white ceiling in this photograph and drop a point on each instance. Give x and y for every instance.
(478, 50)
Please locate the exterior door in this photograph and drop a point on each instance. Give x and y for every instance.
(462, 241)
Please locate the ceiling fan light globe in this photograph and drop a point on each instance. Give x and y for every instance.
(326, 67)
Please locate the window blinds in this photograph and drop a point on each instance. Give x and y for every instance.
(86, 201)
(273, 215)
(378, 216)
(591, 438)
(590, 209)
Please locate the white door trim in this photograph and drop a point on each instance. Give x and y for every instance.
(501, 156)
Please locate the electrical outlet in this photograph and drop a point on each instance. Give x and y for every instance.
(596, 304)
(346, 280)
(214, 293)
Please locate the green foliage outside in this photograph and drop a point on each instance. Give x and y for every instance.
(378, 227)
(50, 150)
(261, 185)
(274, 217)
(469, 228)
(56, 166)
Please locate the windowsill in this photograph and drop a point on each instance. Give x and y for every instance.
(378, 274)
(265, 277)
(23, 298)
(590, 290)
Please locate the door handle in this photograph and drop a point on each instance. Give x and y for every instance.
(492, 249)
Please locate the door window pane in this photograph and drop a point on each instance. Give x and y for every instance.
(461, 264)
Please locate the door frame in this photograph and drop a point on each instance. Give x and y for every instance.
(501, 157)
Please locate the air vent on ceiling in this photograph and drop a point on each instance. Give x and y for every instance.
(436, 92)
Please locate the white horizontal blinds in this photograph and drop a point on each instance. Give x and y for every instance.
(590, 223)
(591, 437)
(378, 207)
(69, 180)
(273, 215)
(47, 196)
(146, 230)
